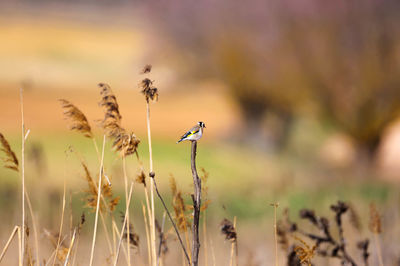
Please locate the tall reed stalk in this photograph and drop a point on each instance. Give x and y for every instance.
(23, 139)
(98, 202)
(152, 220)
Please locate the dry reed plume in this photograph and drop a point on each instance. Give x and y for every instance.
(123, 142)
(109, 203)
(78, 121)
(10, 160)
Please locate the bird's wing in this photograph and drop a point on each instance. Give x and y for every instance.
(191, 132)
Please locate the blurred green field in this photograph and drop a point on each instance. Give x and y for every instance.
(242, 180)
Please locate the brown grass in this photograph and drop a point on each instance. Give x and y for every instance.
(10, 159)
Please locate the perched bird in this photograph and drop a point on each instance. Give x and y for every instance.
(194, 133)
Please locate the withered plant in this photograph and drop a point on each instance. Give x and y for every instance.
(324, 244)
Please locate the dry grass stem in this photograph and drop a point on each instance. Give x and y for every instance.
(23, 140)
(16, 228)
(147, 225)
(275, 205)
(98, 202)
(35, 231)
(61, 227)
(123, 225)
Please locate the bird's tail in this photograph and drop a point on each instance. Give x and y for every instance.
(179, 140)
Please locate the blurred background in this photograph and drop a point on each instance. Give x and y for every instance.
(301, 100)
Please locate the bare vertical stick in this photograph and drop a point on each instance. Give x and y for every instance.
(22, 172)
(196, 206)
(98, 202)
(152, 220)
(275, 205)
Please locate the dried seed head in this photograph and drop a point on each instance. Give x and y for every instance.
(78, 121)
(10, 160)
(141, 177)
(149, 91)
(228, 230)
(375, 223)
(304, 253)
(146, 69)
(125, 143)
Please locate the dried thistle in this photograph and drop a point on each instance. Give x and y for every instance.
(179, 207)
(375, 223)
(77, 118)
(10, 160)
(146, 69)
(305, 253)
(228, 230)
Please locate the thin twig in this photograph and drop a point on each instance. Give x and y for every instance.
(152, 175)
(98, 202)
(8, 242)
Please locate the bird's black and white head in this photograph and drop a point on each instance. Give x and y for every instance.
(201, 124)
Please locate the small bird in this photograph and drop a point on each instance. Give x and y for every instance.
(194, 133)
